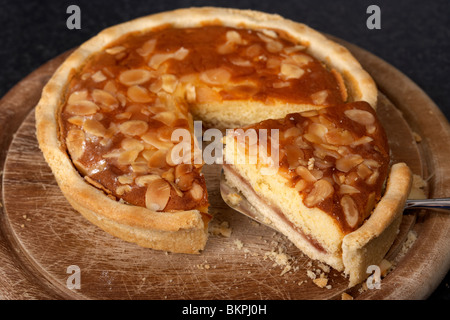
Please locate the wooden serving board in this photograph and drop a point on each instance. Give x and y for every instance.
(41, 236)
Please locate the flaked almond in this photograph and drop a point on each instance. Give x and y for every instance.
(360, 141)
(77, 96)
(151, 138)
(300, 185)
(76, 144)
(320, 97)
(132, 144)
(196, 191)
(94, 127)
(207, 95)
(318, 129)
(121, 190)
(253, 50)
(147, 48)
(305, 174)
(291, 71)
(361, 116)
(322, 189)
(125, 179)
(158, 159)
(133, 127)
(292, 132)
(301, 59)
(140, 94)
(143, 181)
(311, 137)
(240, 62)
(183, 169)
(115, 50)
(169, 82)
(293, 155)
(372, 179)
(185, 181)
(158, 59)
(76, 120)
(127, 157)
(216, 76)
(82, 108)
(347, 163)
(99, 77)
(339, 137)
(350, 210)
(348, 189)
(363, 171)
(166, 117)
(104, 99)
(274, 46)
(135, 77)
(157, 195)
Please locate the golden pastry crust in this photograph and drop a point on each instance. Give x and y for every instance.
(369, 244)
(116, 217)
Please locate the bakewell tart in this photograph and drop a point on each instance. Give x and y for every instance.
(107, 119)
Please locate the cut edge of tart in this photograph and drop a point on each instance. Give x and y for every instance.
(174, 230)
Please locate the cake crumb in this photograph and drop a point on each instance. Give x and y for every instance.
(321, 282)
(238, 243)
(417, 188)
(346, 296)
(233, 198)
(417, 137)
(311, 274)
(222, 229)
(411, 237)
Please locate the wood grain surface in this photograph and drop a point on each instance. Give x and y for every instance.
(41, 235)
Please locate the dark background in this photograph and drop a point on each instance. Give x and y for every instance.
(414, 36)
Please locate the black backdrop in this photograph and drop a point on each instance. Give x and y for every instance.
(414, 35)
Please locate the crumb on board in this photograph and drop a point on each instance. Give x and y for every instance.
(417, 188)
(222, 229)
(417, 137)
(346, 296)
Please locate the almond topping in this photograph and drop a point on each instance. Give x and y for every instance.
(98, 76)
(127, 157)
(140, 94)
(185, 181)
(360, 116)
(339, 137)
(115, 50)
(151, 138)
(135, 77)
(217, 76)
(347, 163)
(290, 71)
(76, 143)
(322, 189)
(206, 95)
(347, 189)
(157, 195)
(94, 127)
(169, 82)
(147, 48)
(132, 144)
(142, 181)
(105, 99)
(305, 174)
(133, 127)
(123, 189)
(292, 132)
(158, 159)
(350, 210)
(77, 96)
(82, 108)
(320, 97)
(196, 191)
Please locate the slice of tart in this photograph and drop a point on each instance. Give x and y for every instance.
(113, 118)
(324, 183)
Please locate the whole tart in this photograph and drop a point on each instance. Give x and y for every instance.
(113, 118)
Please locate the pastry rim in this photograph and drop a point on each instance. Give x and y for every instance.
(92, 201)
